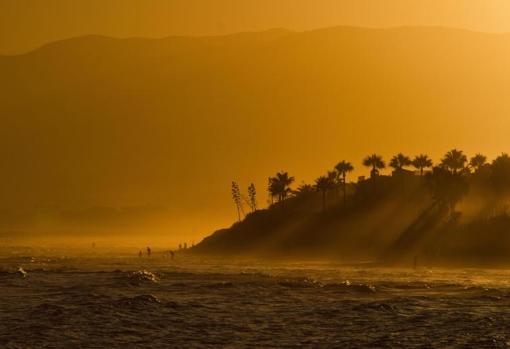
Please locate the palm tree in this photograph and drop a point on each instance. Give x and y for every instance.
(286, 181)
(324, 184)
(422, 162)
(304, 190)
(478, 161)
(448, 188)
(332, 176)
(342, 169)
(375, 162)
(279, 186)
(399, 161)
(454, 161)
(500, 174)
(499, 180)
(273, 188)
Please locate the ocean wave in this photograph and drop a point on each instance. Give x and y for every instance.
(379, 306)
(352, 287)
(141, 277)
(299, 283)
(140, 300)
(19, 272)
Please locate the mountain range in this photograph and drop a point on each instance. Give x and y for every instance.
(96, 121)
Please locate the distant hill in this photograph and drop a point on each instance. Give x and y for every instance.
(395, 221)
(96, 121)
(367, 226)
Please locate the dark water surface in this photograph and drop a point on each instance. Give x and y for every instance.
(125, 302)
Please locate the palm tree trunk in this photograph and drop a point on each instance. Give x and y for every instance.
(281, 201)
(345, 188)
(373, 172)
(323, 200)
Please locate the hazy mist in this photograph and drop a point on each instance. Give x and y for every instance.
(99, 122)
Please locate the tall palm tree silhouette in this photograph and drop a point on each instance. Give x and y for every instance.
(454, 161)
(478, 161)
(422, 162)
(399, 161)
(272, 188)
(375, 162)
(500, 174)
(279, 186)
(342, 169)
(449, 187)
(324, 184)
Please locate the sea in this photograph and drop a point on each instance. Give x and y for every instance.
(57, 299)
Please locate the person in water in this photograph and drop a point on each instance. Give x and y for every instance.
(140, 254)
(148, 251)
(172, 255)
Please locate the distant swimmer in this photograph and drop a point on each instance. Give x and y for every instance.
(149, 251)
(140, 254)
(172, 255)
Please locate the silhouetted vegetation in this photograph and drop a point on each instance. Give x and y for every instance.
(323, 185)
(236, 196)
(448, 187)
(421, 162)
(279, 186)
(376, 163)
(454, 161)
(342, 169)
(396, 217)
(252, 197)
(478, 161)
(399, 161)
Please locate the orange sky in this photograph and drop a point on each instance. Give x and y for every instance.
(26, 24)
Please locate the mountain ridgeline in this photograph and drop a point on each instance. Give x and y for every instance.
(101, 122)
(453, 212)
